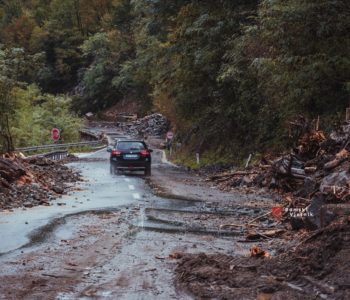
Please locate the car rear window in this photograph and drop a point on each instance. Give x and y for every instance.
(130, 146)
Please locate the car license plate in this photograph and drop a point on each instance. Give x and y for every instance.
(131, 156)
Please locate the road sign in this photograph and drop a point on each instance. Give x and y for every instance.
(55, 134)
(169, 135)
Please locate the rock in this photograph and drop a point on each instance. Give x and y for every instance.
(28, 204)
(282, 165)
(35, 185)
(339, 179)
(340, 136)
(247, 181)
(310, 186)
(58, 189)
(314, 210)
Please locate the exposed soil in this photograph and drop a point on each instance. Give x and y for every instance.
(39, 181)
(284, 263)
(302, 264)
(317, 268)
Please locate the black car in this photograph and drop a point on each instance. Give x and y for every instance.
(132, 155)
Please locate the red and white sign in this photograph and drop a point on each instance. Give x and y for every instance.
(169, 135)
(55, 134)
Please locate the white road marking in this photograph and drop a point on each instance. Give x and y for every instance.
(127, 179)
(136, 196)
(131, 187)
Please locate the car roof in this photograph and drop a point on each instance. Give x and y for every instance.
(129, 140)
(121, 137)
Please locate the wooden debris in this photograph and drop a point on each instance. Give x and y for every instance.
(323, 287)
(258, 218)
(273, 233)
(176, 255)
(11, 170)
(319, 163)
(339, 158)
(238, 225)
(256, 251)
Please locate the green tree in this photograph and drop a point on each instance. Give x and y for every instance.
(7, 109)
(306, 63)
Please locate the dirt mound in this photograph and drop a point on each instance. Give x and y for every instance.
(33, 181)
(317, 268)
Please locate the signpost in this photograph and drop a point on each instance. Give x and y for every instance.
(55, 134)
(170, 135)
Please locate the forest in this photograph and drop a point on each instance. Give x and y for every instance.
(229, 74)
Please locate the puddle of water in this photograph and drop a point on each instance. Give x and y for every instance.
(166, 228)
(103, 193)
(65, 296)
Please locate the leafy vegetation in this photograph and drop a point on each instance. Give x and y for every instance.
(228, 73)
(26, 114)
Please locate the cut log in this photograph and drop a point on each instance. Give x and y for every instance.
(339, 158)
(10, 170)
(297, 173)
(310, 170)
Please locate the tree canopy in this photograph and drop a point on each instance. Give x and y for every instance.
(228, 73)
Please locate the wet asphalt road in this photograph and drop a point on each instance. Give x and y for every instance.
(98, 241)
(102, 190)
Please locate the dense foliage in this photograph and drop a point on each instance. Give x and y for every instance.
(26, 114)
(228, 73)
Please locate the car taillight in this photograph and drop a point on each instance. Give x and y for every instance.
(145, 153)
(116, 153)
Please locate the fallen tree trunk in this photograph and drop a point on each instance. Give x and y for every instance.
(10, 170)
(339, 158)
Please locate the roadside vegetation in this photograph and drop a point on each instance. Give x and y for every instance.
(27, 114)
(228, 73)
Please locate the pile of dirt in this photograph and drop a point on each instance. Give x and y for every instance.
(32, 181)
(152, 125)
(317, 268)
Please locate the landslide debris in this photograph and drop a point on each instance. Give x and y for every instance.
(27, 182)
(154, 125)
(313, 184)
(316, 268)
(316, 172)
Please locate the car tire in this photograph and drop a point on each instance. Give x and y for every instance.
(148, 171)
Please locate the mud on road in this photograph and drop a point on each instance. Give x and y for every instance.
(170, 236)
(114, 238)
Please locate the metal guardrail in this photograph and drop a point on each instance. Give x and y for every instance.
(55, 155)
(60, 146)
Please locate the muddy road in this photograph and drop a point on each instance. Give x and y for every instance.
(117, 236)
